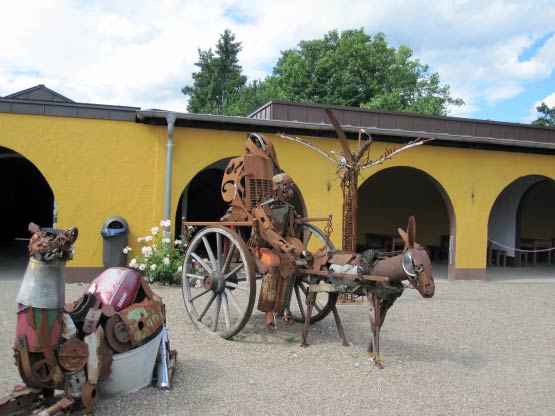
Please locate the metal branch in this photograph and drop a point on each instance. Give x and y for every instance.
(390, 153)
(307, 143)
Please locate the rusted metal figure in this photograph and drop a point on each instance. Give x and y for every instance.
(261, 236)
(75, 347)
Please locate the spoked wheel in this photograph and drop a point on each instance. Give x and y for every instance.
(313, 238)
(219, 281)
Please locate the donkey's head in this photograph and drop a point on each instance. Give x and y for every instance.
(416, 262)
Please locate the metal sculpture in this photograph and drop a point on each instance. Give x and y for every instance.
(261, 236)
(349, 166)
(375, 274)
(80, 348)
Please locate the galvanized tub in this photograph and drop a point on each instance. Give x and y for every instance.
(132, 370)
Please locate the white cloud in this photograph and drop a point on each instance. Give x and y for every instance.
(141, 53)
(502, 92)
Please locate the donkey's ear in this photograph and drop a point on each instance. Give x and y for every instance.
(405, 238)
(341, 136)
(411, 231)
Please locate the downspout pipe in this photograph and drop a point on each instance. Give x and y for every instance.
(170, 118)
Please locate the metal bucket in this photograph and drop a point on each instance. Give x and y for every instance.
(43, 284)
(132, 370)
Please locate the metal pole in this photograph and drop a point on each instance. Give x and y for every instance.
(170, 118)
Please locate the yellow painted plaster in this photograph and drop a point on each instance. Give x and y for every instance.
(99, 168)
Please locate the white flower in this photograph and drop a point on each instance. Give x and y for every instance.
(165, 223)
(127, 249)
(177, 242)
(166, 261)
(147, 251)
(154, 230)
(133, 263)
(165, 241)
(152, 267)
(142, 266)
(148, 238)
(140, 239)
(180, 269)
(198, 284)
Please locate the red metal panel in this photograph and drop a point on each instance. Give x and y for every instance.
(117, 286)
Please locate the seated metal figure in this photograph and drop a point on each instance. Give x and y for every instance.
(278, 251)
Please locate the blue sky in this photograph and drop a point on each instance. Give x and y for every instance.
(497, 55)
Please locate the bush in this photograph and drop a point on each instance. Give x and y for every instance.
(159, 260)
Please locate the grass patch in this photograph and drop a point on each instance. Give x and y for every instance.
(238, 337)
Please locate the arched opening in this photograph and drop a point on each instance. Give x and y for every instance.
(389, 197)
(201, 199)
(521, 218)
(26, 197)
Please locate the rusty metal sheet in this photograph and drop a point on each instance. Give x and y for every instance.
(344, 258)
(142, 320)
(22, 398)
(91, 320)
(94, 342)
(88, 394)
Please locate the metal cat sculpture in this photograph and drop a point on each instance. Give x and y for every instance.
(81, 348)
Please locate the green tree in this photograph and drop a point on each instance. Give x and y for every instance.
(351, 68)
(548, 117)
(251, 96)
(219, 77)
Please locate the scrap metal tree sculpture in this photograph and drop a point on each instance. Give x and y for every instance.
(349, 166)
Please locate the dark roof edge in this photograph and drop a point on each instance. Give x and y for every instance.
(41, 87)
(70, 104)
(65, 109)
(396, 113)
(204, 119)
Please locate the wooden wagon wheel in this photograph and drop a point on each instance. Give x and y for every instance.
(313, 238)
(219, 281)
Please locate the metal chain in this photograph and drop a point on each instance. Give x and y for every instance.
(328, 229)
(523, 251)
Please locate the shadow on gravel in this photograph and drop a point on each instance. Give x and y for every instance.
(324, 334)
(255, 333)
(412, 351)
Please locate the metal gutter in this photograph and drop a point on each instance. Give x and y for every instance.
(170, 119)
(143, 115)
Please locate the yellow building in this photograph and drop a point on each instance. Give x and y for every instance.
(74, 164)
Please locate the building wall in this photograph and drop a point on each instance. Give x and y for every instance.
(96, 169)
(99, 168)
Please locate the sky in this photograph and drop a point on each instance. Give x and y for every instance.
(497, 55)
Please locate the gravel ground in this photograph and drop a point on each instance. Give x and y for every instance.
(475, 348)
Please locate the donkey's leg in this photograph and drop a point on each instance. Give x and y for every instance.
(372, 322)
(380, 308)
(339, 326)
(310, 300)
(376, 330)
